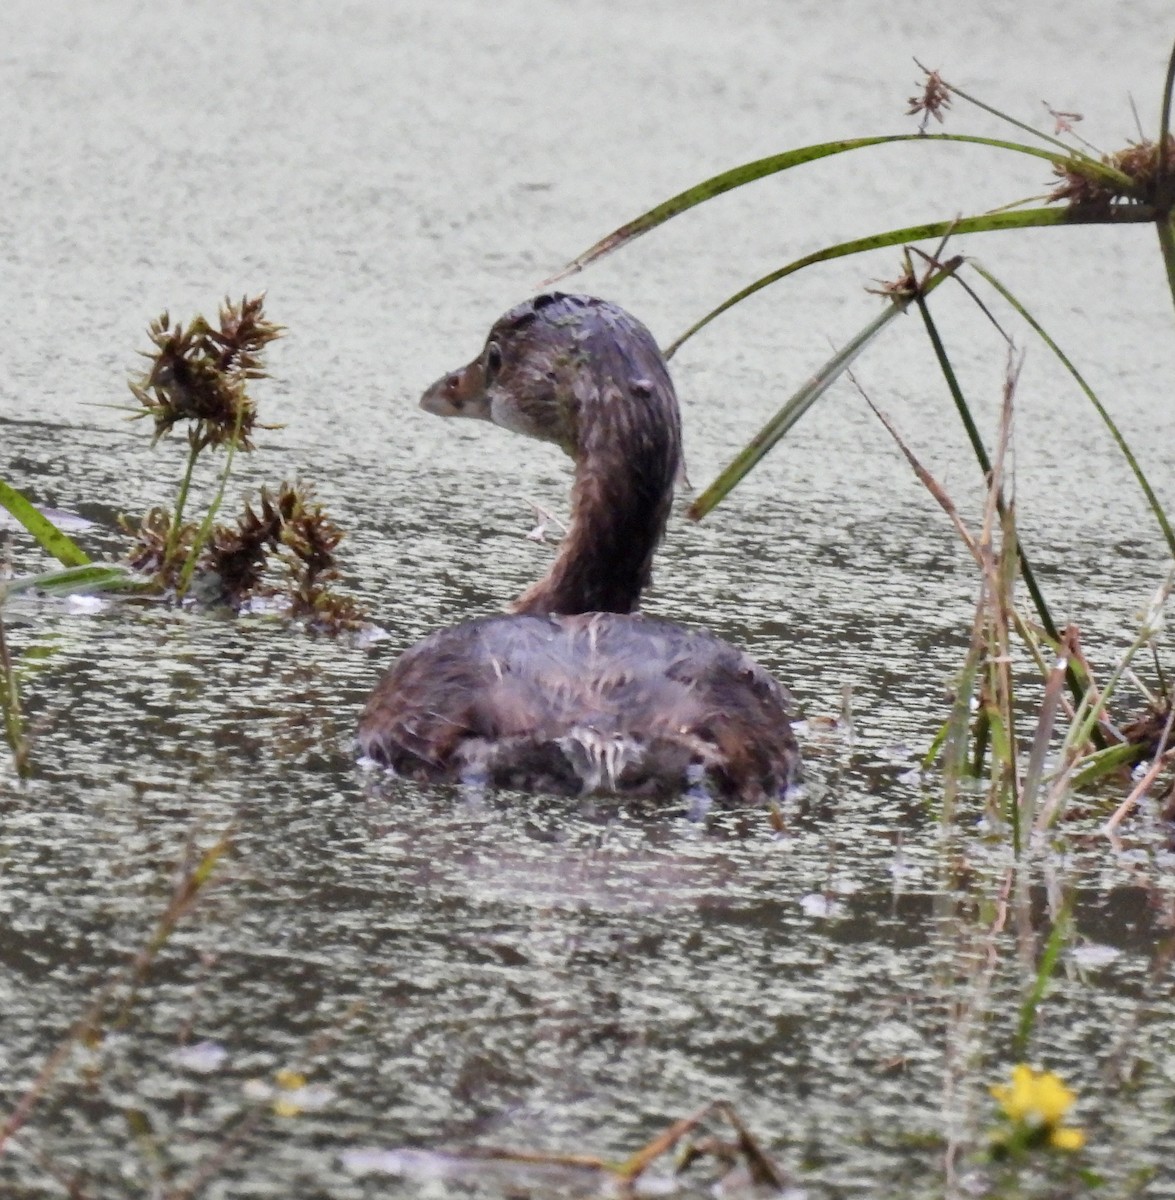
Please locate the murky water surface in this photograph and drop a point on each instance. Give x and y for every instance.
(520, 971)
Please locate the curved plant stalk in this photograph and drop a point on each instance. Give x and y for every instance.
(1166, 232)
(1151, 499)
(803, 400)
(1165, 226)
(737, 177)
(49, 537)
(981, 223)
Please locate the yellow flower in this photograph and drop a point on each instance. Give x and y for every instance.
(1034, 1099)
(1067, 1139)
(288, 1081)
(1035, 1103)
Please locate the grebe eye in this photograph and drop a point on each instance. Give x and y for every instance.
(452, 383)
(493, 361)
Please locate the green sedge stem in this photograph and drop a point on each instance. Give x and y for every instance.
(1165, 226)
(1165, 126)
(1048, 962)
(181, 499)
(210, 515)
(10, 702)
(980, 451)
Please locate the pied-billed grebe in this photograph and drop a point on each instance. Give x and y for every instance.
(574, 691)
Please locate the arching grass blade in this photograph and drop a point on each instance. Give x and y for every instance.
(49, 537)
(739, 176)
(983, 223)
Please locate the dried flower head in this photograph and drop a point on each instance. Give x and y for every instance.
(149, 550)
(289, 528)
(310, 539)
(1063, 122)
(1147, 729)
(1139, 162)
(933, 101)
(236, 554)
(904, 287)
(200, 374)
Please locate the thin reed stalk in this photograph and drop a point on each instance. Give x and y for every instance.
(189, 889)
(202, 534)
(181, 499)
(1058, 936)
(14, 729)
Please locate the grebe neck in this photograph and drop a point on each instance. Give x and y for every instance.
(628, 453)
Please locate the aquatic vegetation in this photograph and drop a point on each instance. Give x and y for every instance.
(736, 1163)
(1131, 185)
(10, 707)
(283, 552)
(1034, 1106)
(199, 376)
(1134, 185)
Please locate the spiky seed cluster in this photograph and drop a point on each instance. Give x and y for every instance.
(1139, 162)
(1147, 729)
(237, 554)
(932, 101)
(310, 538)
(200, 374)
(295, 526)
(149, 553)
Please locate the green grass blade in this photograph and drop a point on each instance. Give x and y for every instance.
(1151, 499)
(983, 223)
(739, 176)
(954, 751)
(1100, 763)
(1166, 231)
(1165, 116)
(1048, 962)
(49, 537)
(803, 400)
(91, 577)
(10, 706)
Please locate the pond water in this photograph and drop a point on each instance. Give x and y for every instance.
(524, 971)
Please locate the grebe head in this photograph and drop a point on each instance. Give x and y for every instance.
(547, 358)
(588, 376)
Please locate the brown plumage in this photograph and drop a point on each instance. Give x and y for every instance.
(576, 692)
